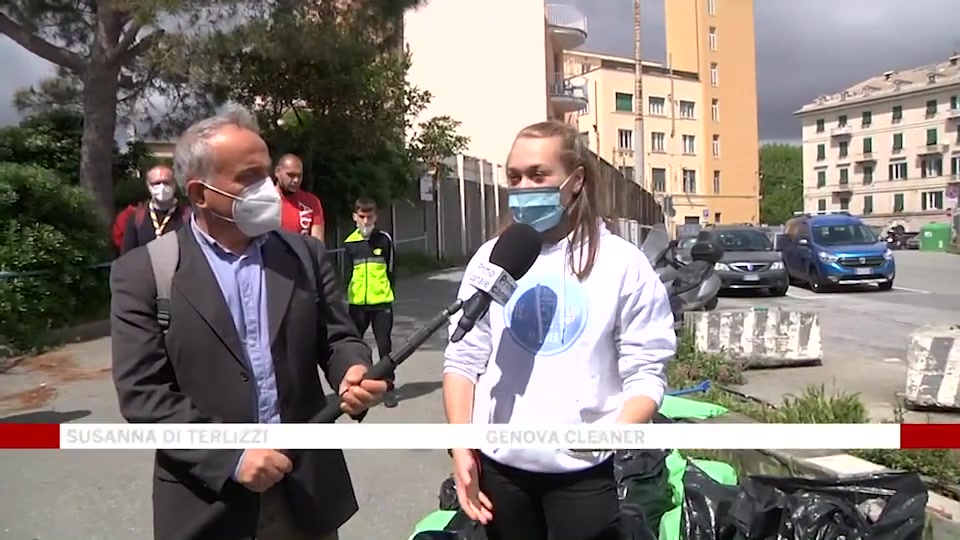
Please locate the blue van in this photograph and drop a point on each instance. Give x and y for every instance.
(831, 251)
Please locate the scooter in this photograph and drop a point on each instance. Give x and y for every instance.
(691, 286)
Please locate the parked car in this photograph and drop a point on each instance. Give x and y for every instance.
(749, 260)
(831, 251)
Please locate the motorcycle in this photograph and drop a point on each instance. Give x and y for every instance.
(691, 286)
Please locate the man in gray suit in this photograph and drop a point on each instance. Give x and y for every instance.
(250, 314)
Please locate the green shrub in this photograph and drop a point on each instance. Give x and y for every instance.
(50, 234)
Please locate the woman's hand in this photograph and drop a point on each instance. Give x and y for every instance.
(466, 474)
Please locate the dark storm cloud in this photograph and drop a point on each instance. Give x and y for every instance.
(804, 47)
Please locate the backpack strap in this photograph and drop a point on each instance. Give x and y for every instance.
(164, 255)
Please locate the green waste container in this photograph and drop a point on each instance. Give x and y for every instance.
(935, 236)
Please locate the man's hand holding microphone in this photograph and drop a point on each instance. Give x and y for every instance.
(261, 469)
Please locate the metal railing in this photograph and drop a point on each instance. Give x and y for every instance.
(563, 87)
(566, 16)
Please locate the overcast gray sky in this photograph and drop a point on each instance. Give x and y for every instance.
(804, 47)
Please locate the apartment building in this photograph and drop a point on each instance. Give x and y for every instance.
(886, 149)
(701, 137)
(494, 65)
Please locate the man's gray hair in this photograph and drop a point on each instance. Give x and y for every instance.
(191, 158)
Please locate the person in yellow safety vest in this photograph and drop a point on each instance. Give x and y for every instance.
(369, 254)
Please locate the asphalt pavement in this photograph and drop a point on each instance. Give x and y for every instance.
(105, 495)
(866, 332)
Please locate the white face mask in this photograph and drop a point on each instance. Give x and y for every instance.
(365, 230)
(161, 192)
(256, 210)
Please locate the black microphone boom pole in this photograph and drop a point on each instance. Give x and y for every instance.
(389, 363)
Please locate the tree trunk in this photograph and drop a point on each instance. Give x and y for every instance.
(99, 127)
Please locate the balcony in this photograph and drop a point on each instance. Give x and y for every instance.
(843, 187)
(567, 97)
(566, 25)
(841, 132)
(864, 157)
(953, 113)
(933, 149)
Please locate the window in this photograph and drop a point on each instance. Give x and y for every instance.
(821, 125)
(716, 183)
(624, 102)
(822, 205)
(868, 145)
(689, 144)
(821, 178)
(844, 203)
(897, 113)
(712, 38)
(716, 217)
(627, 173)
(931, 136)
(625, 139)
(897, 142)
(843, 149)
(658, 142)
(867, 175)
(931, 200)
(585, 138)
(687, 109)
(842, 120)
(897, 202)
(821, 152)
(715, 110)
(711, 7)
(931, 108)
(716, 146)
(954, 103)
(655, 106)
(931, 167)
(659, 182)
(844, 176)
(955, 166)
(958, 133)
(898, 171)
(689, 181)
(867, 204)
(714, 75)
(866, 119)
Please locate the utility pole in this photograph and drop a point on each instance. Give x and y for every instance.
(639, 146)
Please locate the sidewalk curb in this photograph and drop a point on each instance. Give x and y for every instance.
(943, 514)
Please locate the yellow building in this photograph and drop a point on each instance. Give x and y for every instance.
(701, 135)
(886, 148)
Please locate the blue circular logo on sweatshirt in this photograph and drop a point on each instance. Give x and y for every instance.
(546, 316)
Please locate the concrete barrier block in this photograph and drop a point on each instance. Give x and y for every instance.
(933, 369)
(759, 338)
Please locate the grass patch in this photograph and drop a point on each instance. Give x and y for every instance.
(811, 405)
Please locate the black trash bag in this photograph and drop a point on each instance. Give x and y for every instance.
(706, 507)
(448, 495)
(644, 481)
(884, 506)
(633, 523)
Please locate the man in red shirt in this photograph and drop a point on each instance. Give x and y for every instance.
(302, 212)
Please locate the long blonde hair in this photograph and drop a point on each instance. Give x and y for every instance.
(586, 209)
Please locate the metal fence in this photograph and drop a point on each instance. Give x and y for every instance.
(453, 217)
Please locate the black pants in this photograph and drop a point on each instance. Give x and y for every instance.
(581, 505)
(379, 317)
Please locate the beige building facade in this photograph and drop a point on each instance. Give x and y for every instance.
(494, 65)
(886, 149)
(700, 132)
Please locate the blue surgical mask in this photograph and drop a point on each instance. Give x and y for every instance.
(540, 208)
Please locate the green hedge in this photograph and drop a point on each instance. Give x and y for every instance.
(50, 232)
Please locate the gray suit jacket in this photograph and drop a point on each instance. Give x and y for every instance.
(201, 375)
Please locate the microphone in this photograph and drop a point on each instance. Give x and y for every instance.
(512, 256)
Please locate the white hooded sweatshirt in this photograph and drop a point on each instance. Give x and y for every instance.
(563, 351)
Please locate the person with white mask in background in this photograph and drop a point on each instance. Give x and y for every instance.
(584, 339)
(163, 213)
(249, 314)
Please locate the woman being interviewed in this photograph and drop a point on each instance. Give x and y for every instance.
(584, 339)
